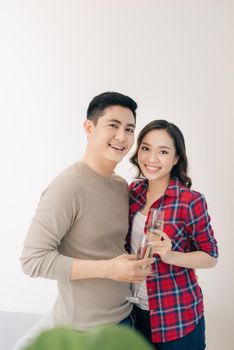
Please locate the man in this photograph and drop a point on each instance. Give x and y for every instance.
(78, 233)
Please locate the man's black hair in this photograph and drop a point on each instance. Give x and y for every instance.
(100, 102)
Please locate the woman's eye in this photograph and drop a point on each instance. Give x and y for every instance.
(144, 148)
(163, 152)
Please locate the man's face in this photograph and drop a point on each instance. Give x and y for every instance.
(113, 135)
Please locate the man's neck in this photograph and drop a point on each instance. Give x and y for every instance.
(103, 168)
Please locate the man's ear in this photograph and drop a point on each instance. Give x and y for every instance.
(88, 127)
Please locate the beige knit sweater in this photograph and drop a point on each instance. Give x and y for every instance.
(80, 215)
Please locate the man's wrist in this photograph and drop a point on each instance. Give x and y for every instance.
(85, 269)
(104, 268)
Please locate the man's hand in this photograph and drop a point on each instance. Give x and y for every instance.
(125, 268)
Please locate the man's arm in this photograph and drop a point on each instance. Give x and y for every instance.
(40, 257)
(123, 268)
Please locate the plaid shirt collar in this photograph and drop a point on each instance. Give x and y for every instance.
(139, 191)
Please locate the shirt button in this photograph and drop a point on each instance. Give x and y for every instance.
(150, 290)
(151, 311)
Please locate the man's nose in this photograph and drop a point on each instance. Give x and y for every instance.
(120, 134)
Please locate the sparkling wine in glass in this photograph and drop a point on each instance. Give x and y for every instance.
(155, 222)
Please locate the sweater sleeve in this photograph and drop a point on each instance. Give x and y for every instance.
(54, 216)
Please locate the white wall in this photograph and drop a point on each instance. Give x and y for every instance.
(174, 57)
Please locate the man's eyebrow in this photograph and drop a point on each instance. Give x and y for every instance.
(119, 122)
(132, 125)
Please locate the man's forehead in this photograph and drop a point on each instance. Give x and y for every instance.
(117, 109)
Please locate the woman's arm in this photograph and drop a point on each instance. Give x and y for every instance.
(191, 260)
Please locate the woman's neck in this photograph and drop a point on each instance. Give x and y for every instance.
(158, 187)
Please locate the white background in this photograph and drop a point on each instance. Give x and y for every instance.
(175, 58)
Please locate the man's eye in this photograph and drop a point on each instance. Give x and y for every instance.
(131, 130)
(115, 126)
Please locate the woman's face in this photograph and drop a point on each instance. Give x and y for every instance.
(157, 155)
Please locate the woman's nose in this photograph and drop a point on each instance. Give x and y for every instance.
(153, 157)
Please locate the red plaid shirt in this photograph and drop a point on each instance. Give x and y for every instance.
(175, 298)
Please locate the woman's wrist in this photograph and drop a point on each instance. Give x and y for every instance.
(190, 260)
(169, 258)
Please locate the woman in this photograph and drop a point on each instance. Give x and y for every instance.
(171, 311)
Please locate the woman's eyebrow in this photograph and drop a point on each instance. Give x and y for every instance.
(147, 144)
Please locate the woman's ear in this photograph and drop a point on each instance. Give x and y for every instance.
(176, 160)
(88, 127)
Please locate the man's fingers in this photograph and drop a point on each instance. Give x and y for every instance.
(131, 256)
(146, 261)
(141, 275)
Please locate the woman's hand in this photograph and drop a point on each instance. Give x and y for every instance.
(192, 260)
(161, 245)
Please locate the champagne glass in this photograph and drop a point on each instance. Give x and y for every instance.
(143, 251)
(155, 222)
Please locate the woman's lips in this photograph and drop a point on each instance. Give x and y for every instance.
(152, 168)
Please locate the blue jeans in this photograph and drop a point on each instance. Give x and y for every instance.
(195, 340)
(128, 321)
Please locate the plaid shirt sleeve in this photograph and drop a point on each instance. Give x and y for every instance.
(199, 227)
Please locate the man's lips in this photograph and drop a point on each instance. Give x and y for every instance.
(117, 148)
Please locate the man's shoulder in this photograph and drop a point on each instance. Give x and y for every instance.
(66, 181)
(68, 174)
(119, 179)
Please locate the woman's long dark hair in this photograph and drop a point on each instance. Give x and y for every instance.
(180, 168)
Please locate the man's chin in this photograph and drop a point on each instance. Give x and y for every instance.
(116, 159)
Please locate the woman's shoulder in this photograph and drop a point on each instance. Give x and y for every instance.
(190, 194)
(136, 184)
